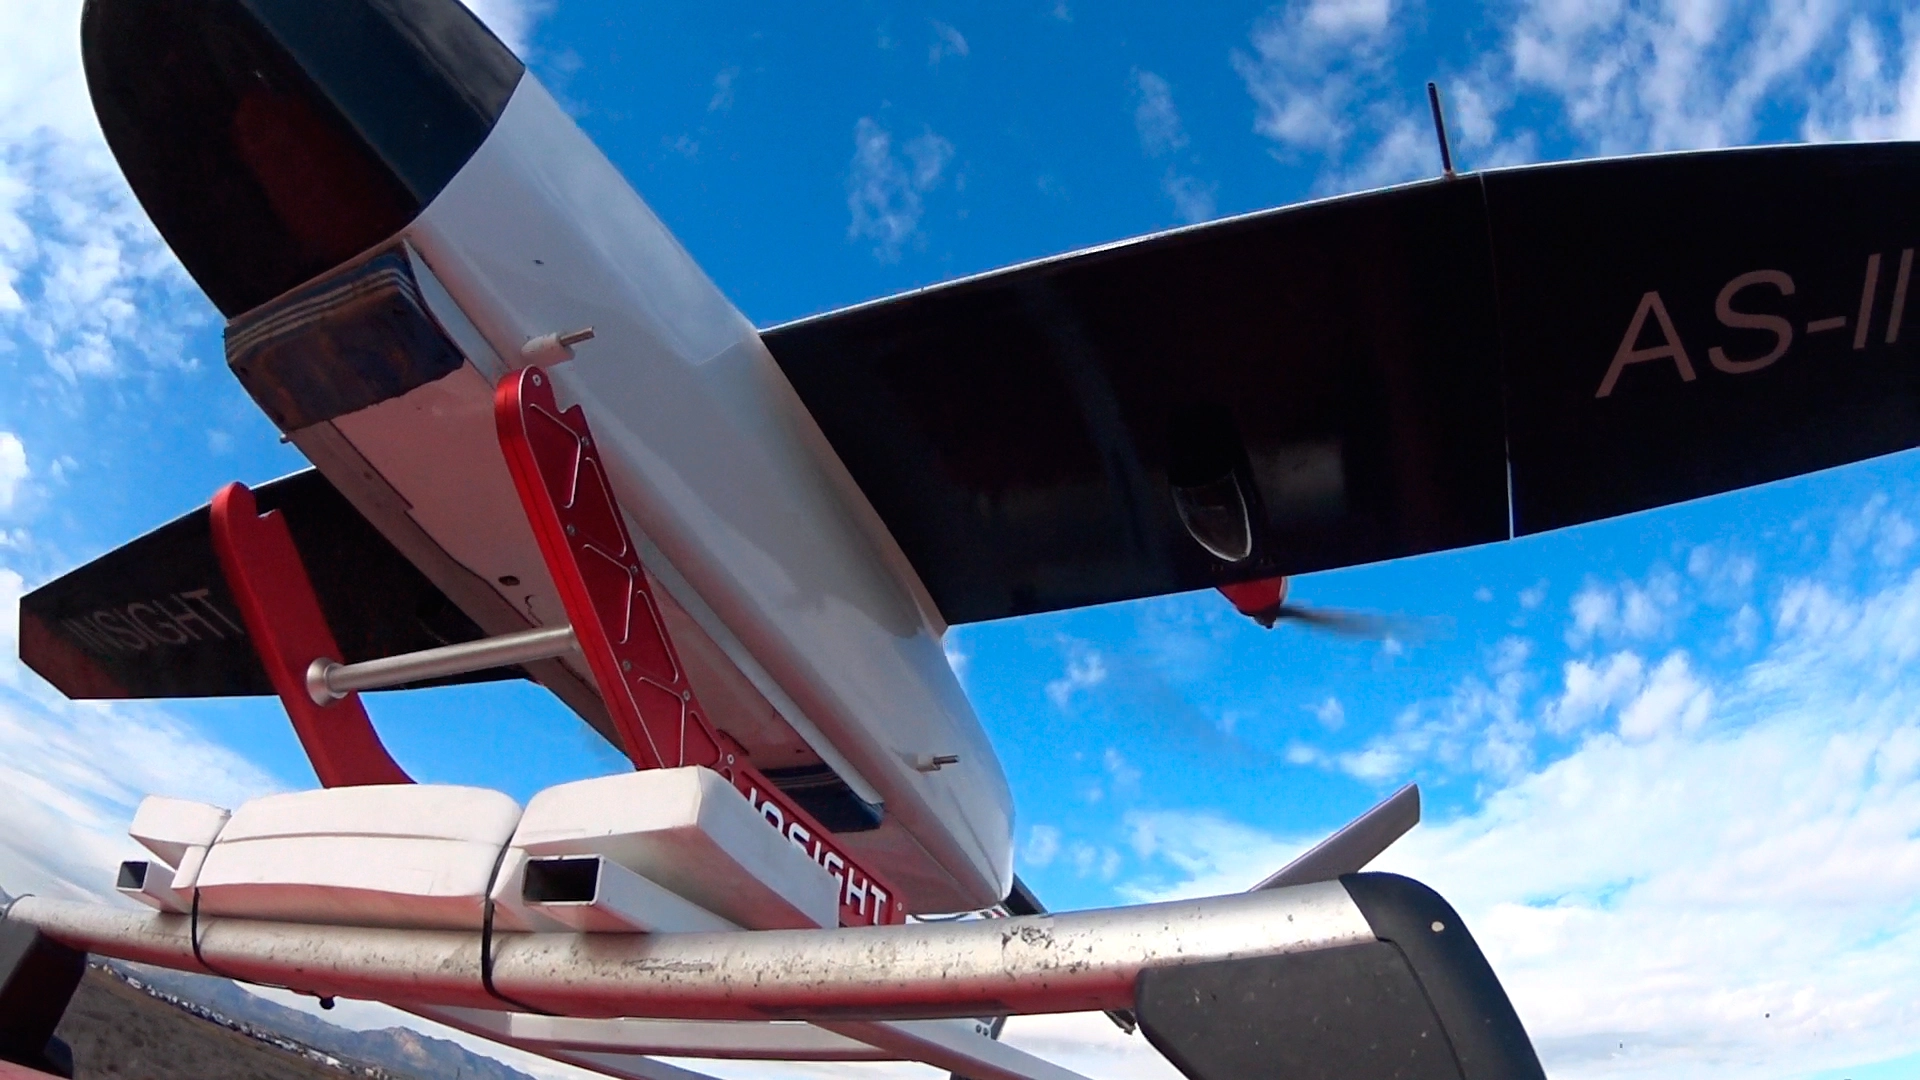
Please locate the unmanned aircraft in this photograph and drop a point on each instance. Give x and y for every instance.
(546, 447)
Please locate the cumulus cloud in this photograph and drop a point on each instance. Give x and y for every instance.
(1163, 136)
(1622, 76)
(885, 188)
(1645, 76)
(511, 20)
(1593, 688)
(722, 98)
(946, 42)
(1331, 714)
(1086, 669)
(1713, 875)
(1043, 844)
(1321, 75)
(72, 773)
(1673, 699)
(13, 468)
(1627, 611)
(1310, 63)
(1155, 118)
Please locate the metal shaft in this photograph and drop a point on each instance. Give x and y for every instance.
(328, 680)
(1080, 961)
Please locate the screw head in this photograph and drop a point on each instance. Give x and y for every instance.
(571, 530)
(626, 665)
(536, 379)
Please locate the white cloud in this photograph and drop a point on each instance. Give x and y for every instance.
(1043, 844)
(1193, 200)
(1721, 884)
(1591, 690)
(1616, 76)
(1311, 67)
(1157, 121)
(956, 653)
(722, 98)
(511, 20)
(1673, 698)
(72, 773)
(1331, 714)
(885, 188)
(1648, 76)
(946, 42)
(1125, 776)
(1533, 596)
(1875, 93)
(1629, 611)
(1481, 726)
(1155, 118)
(1086, 669)
(13, 468)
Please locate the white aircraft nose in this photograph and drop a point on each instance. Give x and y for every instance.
(271, 140)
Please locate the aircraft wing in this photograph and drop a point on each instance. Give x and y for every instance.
(1431, 366)
(1410, 370)
(155, 618)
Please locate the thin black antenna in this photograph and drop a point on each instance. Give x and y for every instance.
(1440, 129)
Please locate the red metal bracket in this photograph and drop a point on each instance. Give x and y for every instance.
(283, 617)
(609, 598)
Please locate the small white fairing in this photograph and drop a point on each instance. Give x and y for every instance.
(775, 567)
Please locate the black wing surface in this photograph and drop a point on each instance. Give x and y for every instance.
(1426, 367)
(155, 618)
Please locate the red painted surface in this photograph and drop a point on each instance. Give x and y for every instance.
(609, 599)
(289, 632)
(1259, 600)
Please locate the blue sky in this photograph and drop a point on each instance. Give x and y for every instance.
(1670, 760)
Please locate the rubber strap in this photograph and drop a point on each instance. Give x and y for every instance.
(486, 941)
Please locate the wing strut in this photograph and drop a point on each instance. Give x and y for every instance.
(283, 617)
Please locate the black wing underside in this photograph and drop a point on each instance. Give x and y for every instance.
(1427, 367)
(155, 618)
(1381, 366)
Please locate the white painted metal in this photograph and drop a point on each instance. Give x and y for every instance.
(328, 680)
(691, 832)
(1076, 962)
(1357, 843)
(169, 827)
(625, 1066)
(622, 902)
(784, 1040)
(952, 1045)
(949, 1044)
(149, 884)
(402, 855)
(724, 471)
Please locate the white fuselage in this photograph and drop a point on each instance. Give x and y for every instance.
(802, 619)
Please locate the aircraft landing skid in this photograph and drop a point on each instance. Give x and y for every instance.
(1370, 975)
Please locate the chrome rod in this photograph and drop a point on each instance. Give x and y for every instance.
(1074, 962)
(329, 680)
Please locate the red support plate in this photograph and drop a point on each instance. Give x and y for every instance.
(609, 598)
(289, 632)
